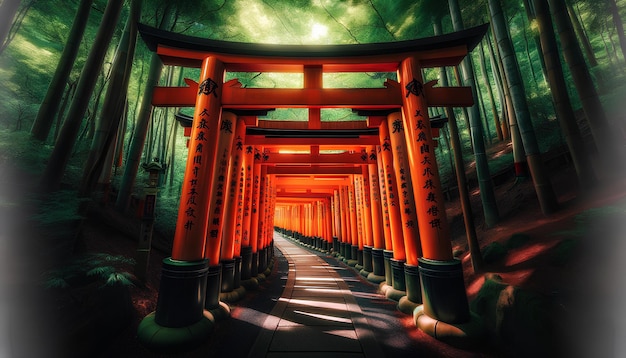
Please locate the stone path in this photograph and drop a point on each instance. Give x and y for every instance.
(316, 316)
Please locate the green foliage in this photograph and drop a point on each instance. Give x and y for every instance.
(107, 269)
(517, 240)
(494, 252)
(29, 62)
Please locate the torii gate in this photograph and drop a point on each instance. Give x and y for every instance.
(239, 181)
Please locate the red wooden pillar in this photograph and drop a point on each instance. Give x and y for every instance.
(254, 213)
(402, 171)
(375, 202)
(361, 237)
(246, 221)
(345, 223)
(231, 237)
(180, 304)
(393, 196)
(396, 263)
(378, 237)
(216, 209)
(410, 273)
(337, 236)
(352, 245)
(382, 181)
(191, 225)
(443, 289)
(368, 239)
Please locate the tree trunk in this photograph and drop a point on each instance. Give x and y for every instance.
(114, 103)
(60, 156)
(8, 9)
(619, 26)
(543, 187)
(563, 106)
(488, 198)
(494, 110)
(461, 180)
(530, 14)
(582, 36)
(497, 77)
(50, 105)
(139, 136)
(519, 156)
(527, 50)
(609, 151)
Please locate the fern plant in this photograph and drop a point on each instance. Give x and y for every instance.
(110, 270)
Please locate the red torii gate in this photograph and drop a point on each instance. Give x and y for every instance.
(235, 168)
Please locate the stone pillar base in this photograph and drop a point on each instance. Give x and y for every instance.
(228, 275)
(388, 255)
(443, 290)
(460, 335)
(372, 277)
(173, 339)
(213, 287)
(234, 295)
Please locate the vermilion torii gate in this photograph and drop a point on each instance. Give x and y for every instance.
(368, 190)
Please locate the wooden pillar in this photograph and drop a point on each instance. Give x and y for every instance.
(231, 237)
(181, 300)
(219, 189)
(367, 207)
(441, 276)
(395, 129)
(393, 196)
(191, 225)
(429, 200)
(375, 201)
(382, 181)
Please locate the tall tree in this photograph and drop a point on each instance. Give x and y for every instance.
(494, 110)
(543, 187)
(461, 180)
(619, 26)
(114, 104)
(8, 10)
(610, 153)
(562, 104)
(582, 36)
(487, 195)
(50, 105)
(142, 121)
(60, 156)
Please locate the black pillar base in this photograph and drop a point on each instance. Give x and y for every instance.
(336, 244)
(342, 249)
(213, 286)
(388, 255)
(246, 262)
(228, 275)
(237, 280)
(397, 274)
(443, 290)
(262, 259)
(378, 262)
(367, 259)
(254, 269)
(179, 304)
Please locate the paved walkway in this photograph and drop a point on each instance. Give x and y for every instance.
(316, 315)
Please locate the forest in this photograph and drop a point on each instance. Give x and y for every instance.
(77, 128)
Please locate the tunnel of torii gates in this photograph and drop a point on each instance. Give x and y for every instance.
(367, 191)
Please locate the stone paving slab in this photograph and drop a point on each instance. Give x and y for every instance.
(316, 316)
